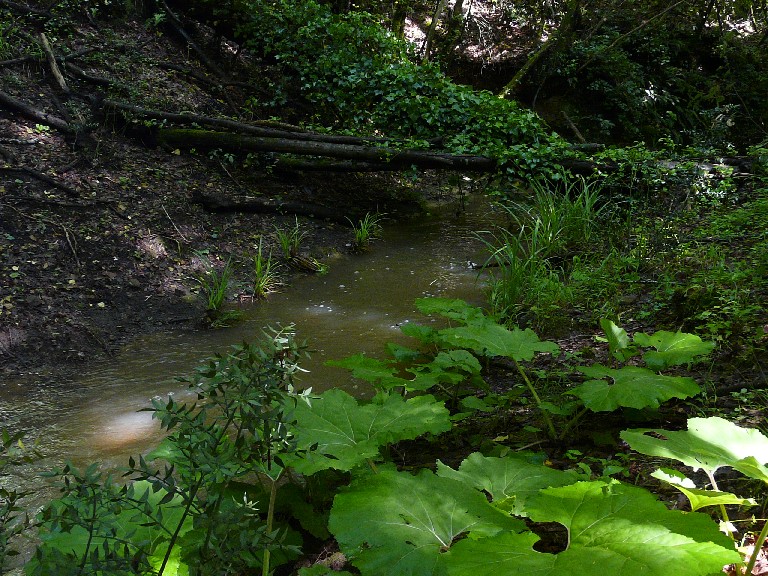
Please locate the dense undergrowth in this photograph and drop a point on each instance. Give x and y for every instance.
(257, 475)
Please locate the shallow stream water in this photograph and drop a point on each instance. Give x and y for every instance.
(357, 306)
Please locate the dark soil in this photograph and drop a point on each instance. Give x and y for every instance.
(101, 238)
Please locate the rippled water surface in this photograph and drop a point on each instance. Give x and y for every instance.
(357, 306)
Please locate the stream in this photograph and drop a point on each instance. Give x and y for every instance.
(357, 306)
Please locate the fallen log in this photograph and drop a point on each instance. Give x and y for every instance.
(269, 206)
(267, 129)
(34, 114)
(210, 140)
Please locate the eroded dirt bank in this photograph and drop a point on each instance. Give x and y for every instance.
(103, 237)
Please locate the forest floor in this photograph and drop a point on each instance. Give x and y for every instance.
(102, 240)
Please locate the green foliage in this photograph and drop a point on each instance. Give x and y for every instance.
(98, 526)
(358, 77)
(448, 368)
(643, 71)
(265, 276)
(709, 444)
(253, 454)
(612, 527)
(366, 230)
(290, 239)
(395, 523)
(199, 513)
(630, 387)
(215, 285)
(12, 520)
(338, 433)
(532, 258)
(508, 481)
(635, 386)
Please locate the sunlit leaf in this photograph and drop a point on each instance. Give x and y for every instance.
(618, 340)
(454, 309)
(672, 348)
(509, 481)
(397, 524)
(343, 434)
(491, 339)
(612, 529)
(699, 498)
(708, 444)
(630, 387)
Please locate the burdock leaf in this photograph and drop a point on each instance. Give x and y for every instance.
(612, 528)
(491, 339)
(509, 481)
(708, 444)
(618, 340)
(631, 387)
(672, 348)
(339, 433)
(397, 524)
(697, 497)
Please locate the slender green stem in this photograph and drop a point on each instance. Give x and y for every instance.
(177, 531)
(573, 422)
(723, 511)
(756, 551)
(270, 517)
(91, 528)
(544, 414)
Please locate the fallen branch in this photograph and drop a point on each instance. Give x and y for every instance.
(267, 129)
(34, 114)
(210, 140)
(58, 76)
(42, 177)
(26, 10)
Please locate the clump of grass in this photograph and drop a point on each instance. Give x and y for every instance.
(528, 259)
(265, 276)
(290, 239)
(366, 230)
(215, 285)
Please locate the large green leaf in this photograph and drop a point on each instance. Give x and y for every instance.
(454, 309)
(708, 444)
(397, 524)
(631, 387)
(369, 369)
(672, 348)
(447, 368)
(509, 481)
(613, 529)
(339, 433)
(491, 339)
(697, 497)
(618, 340)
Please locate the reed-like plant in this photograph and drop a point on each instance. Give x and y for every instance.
(215, 285)
(366, 230)
(290, 239)
(564, 218)
(265, 276)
